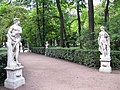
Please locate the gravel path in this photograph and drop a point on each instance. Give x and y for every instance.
(46, 73)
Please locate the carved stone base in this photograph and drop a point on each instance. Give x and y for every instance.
(15, 78)
(105, 64)
(105, 69)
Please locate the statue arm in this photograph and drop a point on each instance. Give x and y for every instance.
(10, 32)
(107, 39)
(20, 30)
(99, 39)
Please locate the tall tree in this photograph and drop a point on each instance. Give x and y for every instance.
(79, 18)
(62, 26)
(79, 21)
(106, 12)
(43, 23)
(38, 21)
(91, 20)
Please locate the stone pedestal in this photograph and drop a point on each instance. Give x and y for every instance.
(15, 78)
(21, 50)
(105, 64)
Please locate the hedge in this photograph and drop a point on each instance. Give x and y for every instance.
(3, 50)
(67, 54)
(89, 58)
(3, 64)
(38, 50)
(115, 59)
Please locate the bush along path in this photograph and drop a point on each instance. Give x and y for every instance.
(47, 73)
(88, 58)
(3, 63)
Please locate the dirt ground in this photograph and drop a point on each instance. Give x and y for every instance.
(46, 73)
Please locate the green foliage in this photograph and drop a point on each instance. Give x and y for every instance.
(38, 50)
(3, 63)
(62, 53)
(7, 13)
(99, 16)
(115, 57)
(52, 27)
(30, 32)
(114, 23)
(84, 57)
(88, 58)
(3, 50)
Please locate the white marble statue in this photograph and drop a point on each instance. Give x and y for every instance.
(104, 48)
(104, 42)
(15, 77)
(46, 44)
(13, 43)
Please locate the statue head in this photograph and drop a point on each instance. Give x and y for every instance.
(16, 20)
(102, 28)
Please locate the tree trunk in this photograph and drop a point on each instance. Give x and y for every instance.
(67, 43)
(79, 22)
(106, 12)
(62, 27)
(43, 21)
(91, 20)
(38, 22)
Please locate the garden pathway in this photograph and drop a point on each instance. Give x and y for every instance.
(46, 73)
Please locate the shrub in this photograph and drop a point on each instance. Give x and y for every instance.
(87, 57)
(62, 53)
(3, 50)
(3, 63)
(115, 59)
(84, 57)
(38, 50)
